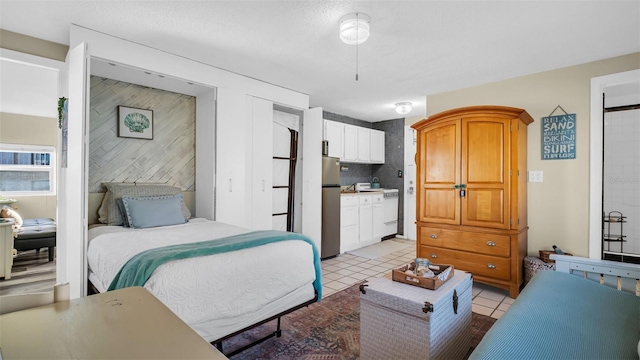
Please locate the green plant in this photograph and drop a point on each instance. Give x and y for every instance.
(60, 110)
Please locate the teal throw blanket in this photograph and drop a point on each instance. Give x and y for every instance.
(139, 268)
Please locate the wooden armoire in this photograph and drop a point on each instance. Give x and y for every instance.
(472, 192)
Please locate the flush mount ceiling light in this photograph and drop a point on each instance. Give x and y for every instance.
(403, 108)
(354, 28)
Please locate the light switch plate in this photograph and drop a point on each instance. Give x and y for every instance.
(535, 176)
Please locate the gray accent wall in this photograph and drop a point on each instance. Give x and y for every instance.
(355, 173)
(169, 158)
(393, 162)
(394, 159)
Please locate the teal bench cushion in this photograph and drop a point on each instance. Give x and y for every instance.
(563, 316)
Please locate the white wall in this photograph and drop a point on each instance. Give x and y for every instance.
(137, 55)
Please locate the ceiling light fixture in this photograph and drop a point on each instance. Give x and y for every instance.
(354, 30)
(403, 108)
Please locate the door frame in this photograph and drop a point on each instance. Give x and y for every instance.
(410, 184)
(59, 67)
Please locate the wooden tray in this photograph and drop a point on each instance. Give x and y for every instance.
(427, 283)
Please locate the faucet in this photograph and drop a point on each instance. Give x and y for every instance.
(351, 186)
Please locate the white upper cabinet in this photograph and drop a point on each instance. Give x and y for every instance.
(354, 144)
(350, 143)
(377, 146)
(364, 141)
(334, 134)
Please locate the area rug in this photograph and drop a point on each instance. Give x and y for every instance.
(379, 250)
(328, 330)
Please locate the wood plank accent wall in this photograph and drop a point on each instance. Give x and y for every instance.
(169, 158)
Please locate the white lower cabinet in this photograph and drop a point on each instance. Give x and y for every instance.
(365, 219)
(378, 216)
(349, 236)
(361, 220)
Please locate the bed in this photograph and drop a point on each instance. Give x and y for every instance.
(586, 309)
(218, 294)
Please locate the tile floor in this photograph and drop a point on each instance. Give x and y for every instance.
(345, 270)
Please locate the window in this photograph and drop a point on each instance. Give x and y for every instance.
(27, 170)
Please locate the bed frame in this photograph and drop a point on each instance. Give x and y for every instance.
(276, 333)
(622, 276)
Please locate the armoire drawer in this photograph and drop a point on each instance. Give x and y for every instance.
(489, 266)
(490, 244)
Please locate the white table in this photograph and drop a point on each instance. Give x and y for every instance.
(6, 247)
(128, 323)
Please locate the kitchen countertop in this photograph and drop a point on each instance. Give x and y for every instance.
(368, 192)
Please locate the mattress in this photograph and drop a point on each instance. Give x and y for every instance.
(217, 294)
(562, 316)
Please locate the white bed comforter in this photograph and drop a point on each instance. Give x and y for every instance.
(211, 290)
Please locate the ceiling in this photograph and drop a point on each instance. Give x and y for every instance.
(416, 48)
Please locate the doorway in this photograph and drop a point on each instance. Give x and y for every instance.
(410, 140)
(625, 88)
(286, 188)
(29, 134)
(621, 176)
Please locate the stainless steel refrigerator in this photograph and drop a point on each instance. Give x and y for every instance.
(330, 245)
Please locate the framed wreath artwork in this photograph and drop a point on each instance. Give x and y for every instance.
(135, 123)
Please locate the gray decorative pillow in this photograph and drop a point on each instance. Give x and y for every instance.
(153, 211)
(103, 211)
(123, 212)
(119, 190)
